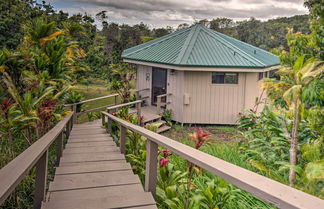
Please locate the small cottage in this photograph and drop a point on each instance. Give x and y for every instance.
(203, 76)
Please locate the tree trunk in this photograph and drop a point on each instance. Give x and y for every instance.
(293, 143)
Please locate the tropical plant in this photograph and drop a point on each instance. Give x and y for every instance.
(123, 76)
(74, 97)
(291, 86)
(214, 192)
(167, 116)
(266, 147)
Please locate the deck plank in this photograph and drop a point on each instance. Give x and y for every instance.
(92, 180)
(88, 157)
(92, 168)
(91, 163)
(74, 150)
(90, 144)
(101, 198)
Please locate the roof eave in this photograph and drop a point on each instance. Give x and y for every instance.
(203, 68)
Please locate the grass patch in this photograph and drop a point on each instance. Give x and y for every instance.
(98, 88)
(226, 134)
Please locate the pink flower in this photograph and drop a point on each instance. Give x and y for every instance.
(164, 162)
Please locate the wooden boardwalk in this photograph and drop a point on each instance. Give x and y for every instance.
(94, 174)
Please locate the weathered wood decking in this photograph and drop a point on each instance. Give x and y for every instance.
(94, 174)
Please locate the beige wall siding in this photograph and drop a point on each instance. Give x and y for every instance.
(208, 103)
(253, 90)
(175, 87)
(212, 103)
(142, 83)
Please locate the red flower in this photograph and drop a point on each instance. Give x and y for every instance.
(164, 162)
(165, 153)
(5, 106)
(199, 137)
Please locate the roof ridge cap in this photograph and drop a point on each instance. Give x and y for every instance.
(250, 45)
(162, 39)
(186, 45)
(229, 45)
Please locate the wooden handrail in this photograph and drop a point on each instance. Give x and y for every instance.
(278, 194)
(159, 103)
(74, 105)
(138, 104)
(139, 90)
(35, 155)
(92, 100)
(137, 93)
(123, 105)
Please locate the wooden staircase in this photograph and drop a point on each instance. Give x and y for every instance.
(150, 117)
(94, 174)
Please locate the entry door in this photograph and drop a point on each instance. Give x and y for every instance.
(159, 83)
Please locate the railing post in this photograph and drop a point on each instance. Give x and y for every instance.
(74, 113)
(41, 178)
(109, 123)
(139, 109)
(103, 119)
(68, 129)
(151, 166)
(137, 95)
(71, 124)
(116, 99)
(122, 139)
(158, 105)
(59, 148)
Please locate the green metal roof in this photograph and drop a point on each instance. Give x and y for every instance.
(203, 47)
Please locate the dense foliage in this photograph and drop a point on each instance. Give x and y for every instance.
(34, 79)
(44, 51)
(285, 141)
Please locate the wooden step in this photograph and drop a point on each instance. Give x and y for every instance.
(126, 196)
(91, 144)
(163, 129)
(92, 180)
(162, 122)
(75, 150)
(103, 166)
(151, 118)
(89, 157)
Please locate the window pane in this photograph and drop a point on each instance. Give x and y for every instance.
(231, 78)
(218, 77)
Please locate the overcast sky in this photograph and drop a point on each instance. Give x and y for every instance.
(160, 13)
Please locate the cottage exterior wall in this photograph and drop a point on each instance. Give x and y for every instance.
(253, 91)
(207, 103)
(144, 80)
(212, 103)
